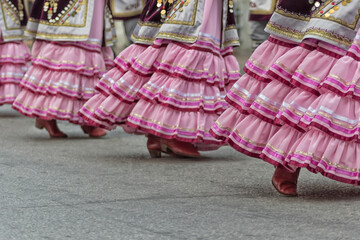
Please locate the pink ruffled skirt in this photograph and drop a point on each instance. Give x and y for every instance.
(170, 89)
(243, 95)
(14, 59)
(332, 142)
(61, 79)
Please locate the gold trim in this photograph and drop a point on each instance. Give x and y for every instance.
(231, 42)
(172, 15)
(142, 39)
(12, 16)
(176, 36)
(332, 119)
(329, 35)
(138, 116)
(36, 107)
(257, 64)
(288, 70)
(353, 82)
(238, 92)
(285, 31)
(149, 24)
(59, 24)
(308, 75)
(317, 14)
(267, 105)
(56, 36)
(179, 97)
(292, 15)
(222, 127)
(325, 159)
(292, 109)
(13, 37)
(249, 140)
(276, 149)
(58, 85)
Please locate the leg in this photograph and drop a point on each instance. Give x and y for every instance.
(153, 145)
(94, 132)
(157, 145)
(51, 127)
(183, 149)
(285, 182)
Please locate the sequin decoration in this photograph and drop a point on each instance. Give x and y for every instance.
(336, 6)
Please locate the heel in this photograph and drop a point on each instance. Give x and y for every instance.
(155, 153)
(93, 132)
(180, 149)
(83, 128)
(164, 148)
(39, 125)
(51, 128)
(153, 146)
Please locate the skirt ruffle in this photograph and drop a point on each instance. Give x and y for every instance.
(297, 101)
(332, 157)
(248, 89)
(285, 66)
(49, 107)
(73, 85)
(166, 82)
(14, 59)
(60, 80)
(331, 142)
(225, 124)
(277, 148)
(272, 122)
(119, 88)
(8, 93)
(343, 78)
(316, 67)
(61, 57)
(336, 115)
(172, 124)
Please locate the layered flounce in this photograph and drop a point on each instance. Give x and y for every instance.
(14, 59)
(270, 126)
(331, 144)
(303, 90)
(177, 90)
(120, 86)
(61, 79)
(298, 98)
(334, 158)
(248, 88)
(186, 94)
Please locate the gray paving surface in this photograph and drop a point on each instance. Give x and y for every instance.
(82, 188)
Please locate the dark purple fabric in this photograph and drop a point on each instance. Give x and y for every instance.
(259, 17)
(15, 2)
(37, 9)
(38, 6)
(151, 12)
(303, 7)
(230, 18)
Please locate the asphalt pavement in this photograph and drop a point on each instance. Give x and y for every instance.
(109, 188)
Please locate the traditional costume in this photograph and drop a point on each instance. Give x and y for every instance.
(171, 84)
(285, 77)
(69, 56)
(14, 54)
